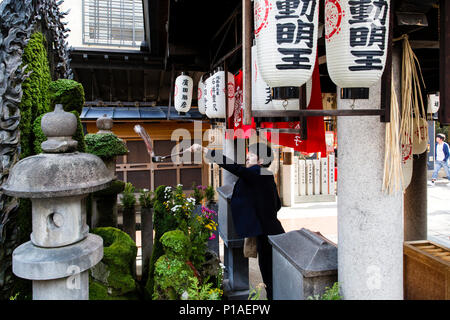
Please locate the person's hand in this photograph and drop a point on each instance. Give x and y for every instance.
(196, 148)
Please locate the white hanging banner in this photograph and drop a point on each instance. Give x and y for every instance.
(356, 41)
(261, 95)
(286, 39)
(420, 147)
(183, 93)
(200, 98)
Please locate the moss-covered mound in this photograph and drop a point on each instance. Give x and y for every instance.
(105, 145)
(69, 93)
(112, 278)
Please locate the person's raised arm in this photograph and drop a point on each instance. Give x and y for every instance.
(224, 162)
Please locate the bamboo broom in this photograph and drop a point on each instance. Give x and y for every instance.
(393, 177)
(411, 93)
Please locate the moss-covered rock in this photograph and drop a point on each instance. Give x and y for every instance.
(105, 145)
(113, 277)
(69, 93)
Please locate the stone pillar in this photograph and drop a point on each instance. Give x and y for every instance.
(370, 222)
(236, 283)
(415, 213)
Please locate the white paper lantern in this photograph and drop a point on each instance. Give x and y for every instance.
(433, 102)
(356, 40)
(286, 37)
(261, 95)
(200, 99)
(217, 95)
(207, 97)
(183, 93)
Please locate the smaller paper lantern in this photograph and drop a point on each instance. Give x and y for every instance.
(207, 97)
(183, 93)
(218, 94)
(433, 102)
(200, 98)
(261, 92)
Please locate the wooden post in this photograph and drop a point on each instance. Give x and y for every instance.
(247, 39)
(444, 63)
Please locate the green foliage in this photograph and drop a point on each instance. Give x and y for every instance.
(35, 99)
(40, 137)
(105, 145)
(209, 194)
(444, 129)
(128, 198)
(67, 92)
(146, 198)
(182, 234)
(255, 293)
(119, 254)
(176, 244)
(14, 297)
(197, 291)
(198, 193)
(329, 294)
(116, 187)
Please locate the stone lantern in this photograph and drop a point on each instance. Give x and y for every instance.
(61, 250)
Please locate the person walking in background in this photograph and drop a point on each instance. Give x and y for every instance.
(254, 202)
(442, 152)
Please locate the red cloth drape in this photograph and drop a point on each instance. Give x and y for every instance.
(315, 141)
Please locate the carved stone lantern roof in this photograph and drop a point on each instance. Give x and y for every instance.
(59, 171)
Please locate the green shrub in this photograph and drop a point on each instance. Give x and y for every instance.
(198, 193)
(35, 99)
(67, 92)
(146, 198)
(329, 294)
(209, 194)
(105, 146)
(128, 198)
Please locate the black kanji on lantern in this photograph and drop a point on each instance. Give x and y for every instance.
(306, 33)
(382, 10)
(268, 96)
(296, 59)
(360, 11)
(358, 36)
(287, 8)
(377, 36)
(367, 61)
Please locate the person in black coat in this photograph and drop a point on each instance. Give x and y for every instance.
(254, 202)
